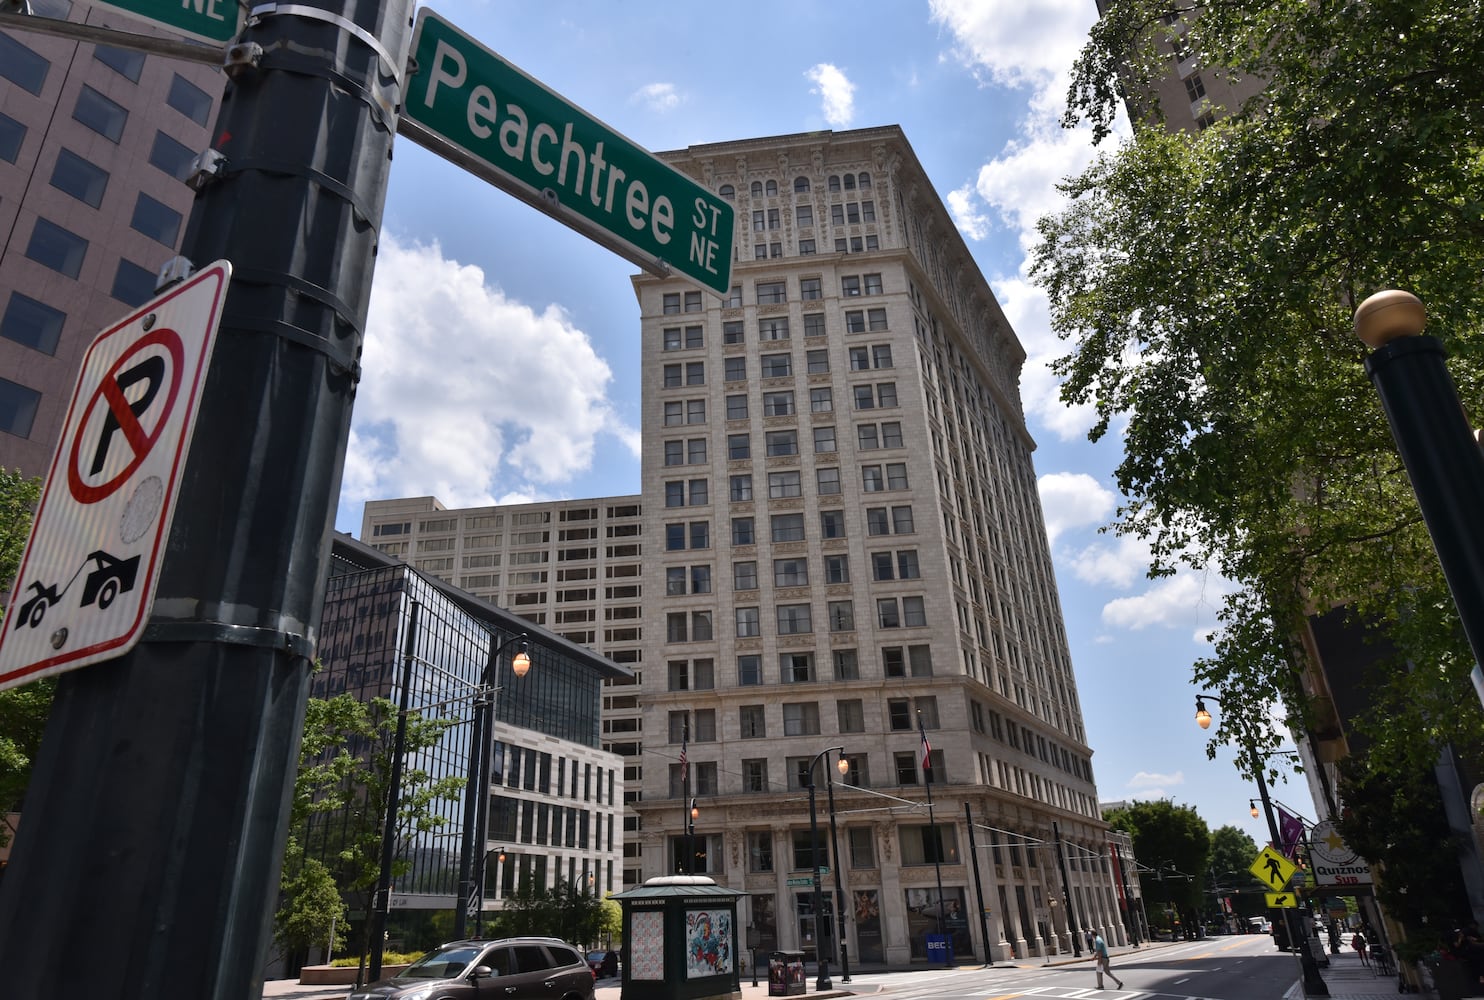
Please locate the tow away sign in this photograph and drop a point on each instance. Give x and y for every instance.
(87, 580)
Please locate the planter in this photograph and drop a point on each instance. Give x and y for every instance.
(338, 975)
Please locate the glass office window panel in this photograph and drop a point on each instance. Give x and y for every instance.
(174, 158)
(34, 324)
(189, 99)
(57, 248)
(156, 220)
(21, 66)
(17, 407)
(12, 134)
(76, 176)
(98, 113)
(132, 284)
(124, 62)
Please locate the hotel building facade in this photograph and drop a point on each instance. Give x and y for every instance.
(840, 545)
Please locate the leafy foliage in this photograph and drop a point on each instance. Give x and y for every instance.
(563, 911)
(23, 710)
(1206, 283)
(343, 787)
(1174, 844)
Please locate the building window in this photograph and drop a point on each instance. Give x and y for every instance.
(749, 670)
(759, 842)
(827, 482)
(122, 61)
(12, 134)
(753, 722)
(76, 176)
(172, 157)
(100, 114)
(782, 485)
(778, 404)
(824, 439)
(742, 531)
(788, 527)
(847, 665)
(31, 323)
(790, 572)
(777, 365)
(749, 624)
(735, 369)
(769, 292)
(876, 319)
(740, 489)
(780, 443)
(800, 719)
(837, 569)
(737, 407)
(156, 220)
(850, 286)
(851, 715)
(775, 328)
(21, 66)
(732, 332)
(842, 613)
(744, 576)
(57, 248)
(821, 400)
(814, 324)
(862, 846)
(817, 362)
(739, 447)
(872, 284)
(831, 524)
(793, 619)
(17, 405)
(189, 99)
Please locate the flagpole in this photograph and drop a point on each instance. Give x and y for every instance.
(927, 779)
(685, 819)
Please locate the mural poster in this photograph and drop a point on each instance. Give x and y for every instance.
(708, 943)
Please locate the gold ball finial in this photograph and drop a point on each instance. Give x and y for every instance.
(1388, 315)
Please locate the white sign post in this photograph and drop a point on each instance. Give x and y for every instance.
(87, 580)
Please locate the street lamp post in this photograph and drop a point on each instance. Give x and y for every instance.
(820, 926)
(477, 787)
(479, 910)
(843, 766)
(1313, 982)
(690, 837)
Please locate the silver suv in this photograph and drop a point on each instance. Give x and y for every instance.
(510, 968)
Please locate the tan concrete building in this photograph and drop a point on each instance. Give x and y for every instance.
(95, 144)
(842, 539)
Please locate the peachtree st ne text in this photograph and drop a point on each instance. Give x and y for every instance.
(574, 166)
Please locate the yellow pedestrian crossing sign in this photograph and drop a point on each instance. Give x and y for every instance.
(1273, 868)
(1281, 900)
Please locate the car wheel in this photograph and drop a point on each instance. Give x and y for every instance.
(107, 593)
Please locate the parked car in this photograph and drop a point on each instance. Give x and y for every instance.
(514, 968)
(603, 963)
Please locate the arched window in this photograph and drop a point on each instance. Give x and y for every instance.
(834, 183)
(801, 185)
(850, 182)
(772, 187)
(865, 180)
(757, 189)
(727, 191)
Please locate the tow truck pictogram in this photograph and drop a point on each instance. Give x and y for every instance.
(110, 578)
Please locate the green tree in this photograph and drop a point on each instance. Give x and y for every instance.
(23, 710)
(1174, 845)
(1232, 853)
(1207, 281)
(344, 779)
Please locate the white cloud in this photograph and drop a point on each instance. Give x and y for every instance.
(1072, 500)
(1017, 44)
(660, 97)
(1149, 779)
(969, 219)
(466, 394)
(836, 91)
(1180, 601)
(1117, 564)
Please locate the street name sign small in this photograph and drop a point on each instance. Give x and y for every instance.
(216, 21)
(1272, 868)
(87, 580)
(806, 880)
(512, 131)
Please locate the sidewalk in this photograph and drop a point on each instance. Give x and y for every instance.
(1348, 979)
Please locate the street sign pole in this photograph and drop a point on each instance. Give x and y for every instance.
(155, 819)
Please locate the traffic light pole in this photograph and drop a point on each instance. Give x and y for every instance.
(155, 819)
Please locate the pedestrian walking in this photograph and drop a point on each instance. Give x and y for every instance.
(1100, 956)
(1358, 942)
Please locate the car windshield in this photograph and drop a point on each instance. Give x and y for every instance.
(445, 963)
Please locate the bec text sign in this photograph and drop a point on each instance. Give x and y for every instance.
(535, 144)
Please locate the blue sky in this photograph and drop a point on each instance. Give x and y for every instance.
(502, 353)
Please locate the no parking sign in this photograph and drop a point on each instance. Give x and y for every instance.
(87, 580)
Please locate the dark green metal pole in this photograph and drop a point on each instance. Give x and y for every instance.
(155, 821)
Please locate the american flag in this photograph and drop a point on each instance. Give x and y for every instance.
(684, 738)
(927, 751)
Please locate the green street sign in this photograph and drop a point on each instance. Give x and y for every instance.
(205, 20)
(801, 881)
(532, 143)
